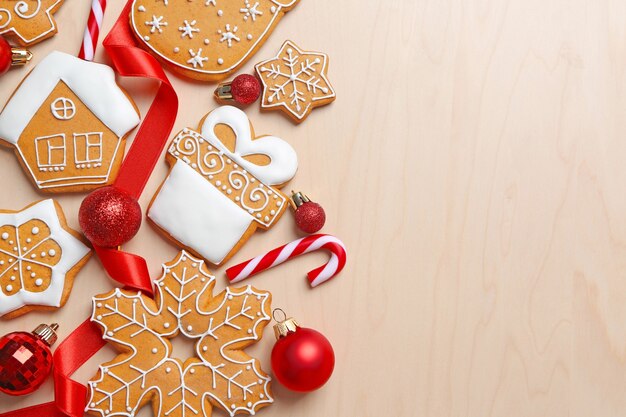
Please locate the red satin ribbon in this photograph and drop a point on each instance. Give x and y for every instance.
(128, 269)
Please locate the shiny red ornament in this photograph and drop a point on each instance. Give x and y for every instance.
(310, 217)
(6, 56)
(26, 360)
(109, 217)
(303, 359)
(10, 56)
(244, 89)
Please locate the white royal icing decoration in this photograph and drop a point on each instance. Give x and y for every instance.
(139, 320)
(196, 210)
(72, 251)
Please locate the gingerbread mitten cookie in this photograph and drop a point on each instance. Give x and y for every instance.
(208, 39)
(220, 374)
(223, 185)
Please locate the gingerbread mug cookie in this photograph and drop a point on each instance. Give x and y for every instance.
(206, 39)
(220, 374)
(68, 122)
(39, 258)
(28, 21)
(222, 185)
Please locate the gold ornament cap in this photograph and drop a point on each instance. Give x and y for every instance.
(47, 333)
(298, 199)
(224, 91)
(20, 56)
(285, 326)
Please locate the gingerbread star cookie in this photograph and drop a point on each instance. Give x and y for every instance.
(39, 258)
(28, 21)
(206, 39)
(295, 82)
(219, 375)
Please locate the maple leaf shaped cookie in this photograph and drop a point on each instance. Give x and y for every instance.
(220, 375)
(29, 21)
(295, 82)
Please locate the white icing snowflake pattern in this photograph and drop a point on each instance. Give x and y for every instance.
(229, 35)
(250, 11)
(210, 2)
(219, 375)
(188, 29)
(156, 23)
(295, 80)
(196, 58)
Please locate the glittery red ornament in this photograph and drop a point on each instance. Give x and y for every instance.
(25, 359)
(303, 359)
(310, 216)
(244, 89)
(109, 217)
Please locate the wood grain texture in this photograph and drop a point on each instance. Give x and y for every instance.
(473, 163)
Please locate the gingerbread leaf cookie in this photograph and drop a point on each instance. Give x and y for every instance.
(68, 123)
(295, 81)
(29, 21)
(223, 185)
(206, 39)
(220, 375)
(39, 257)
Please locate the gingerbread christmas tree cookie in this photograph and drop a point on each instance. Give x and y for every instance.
(207, 39)
(28, 21)
(39, 258)
(220, 374)
(295, 82)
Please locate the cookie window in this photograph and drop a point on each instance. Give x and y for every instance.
(88, 149)
(63, 108)
(50, 152)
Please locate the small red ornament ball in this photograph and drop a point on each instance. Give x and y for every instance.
(310, 217)
(109, 217)
(303, 360)
(245, 89)
(6, 56)
(25, 363)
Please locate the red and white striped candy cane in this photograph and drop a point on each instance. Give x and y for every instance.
(92, 31)
(291, 250)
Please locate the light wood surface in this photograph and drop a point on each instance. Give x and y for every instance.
(473, 163)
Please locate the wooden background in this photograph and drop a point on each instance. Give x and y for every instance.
(473, 163)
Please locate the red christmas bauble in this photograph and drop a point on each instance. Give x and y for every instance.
(6, 56)
(109, 217)
(303, 360)
(310, 217)
(25, 360)
(245, 89)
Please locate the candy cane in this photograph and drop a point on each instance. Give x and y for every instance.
(291, 250)
(92, 31)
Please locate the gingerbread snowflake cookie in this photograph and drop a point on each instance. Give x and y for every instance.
(39, 258)
(223, 185)
(68, 123)
(295, 81)
(206, 39)
(28, 21)
(220, 374)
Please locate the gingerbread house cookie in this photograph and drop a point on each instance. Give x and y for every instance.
(223, 185)
(68, 123)
(39, 258)
(208, 39)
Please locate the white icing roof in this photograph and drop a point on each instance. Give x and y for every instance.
(93, 83)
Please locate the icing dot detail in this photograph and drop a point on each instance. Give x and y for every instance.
(5, 236)
(39, 282)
